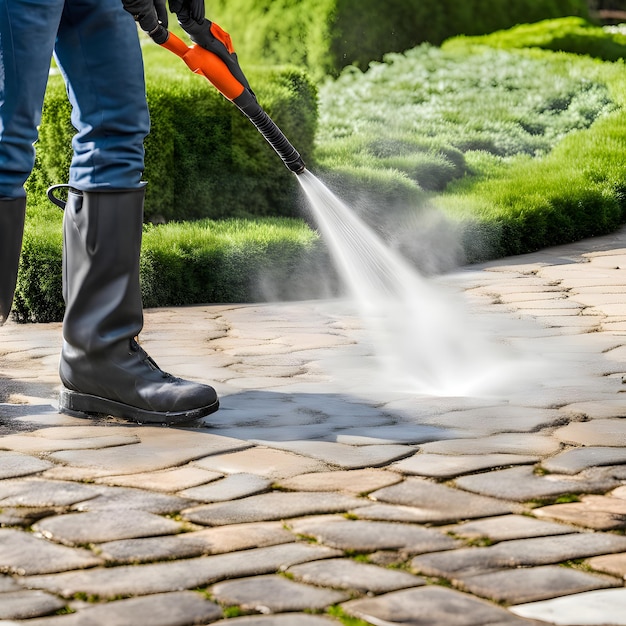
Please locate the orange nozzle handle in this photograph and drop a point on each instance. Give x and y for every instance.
(202, 61)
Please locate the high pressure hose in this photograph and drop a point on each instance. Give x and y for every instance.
(222, 69)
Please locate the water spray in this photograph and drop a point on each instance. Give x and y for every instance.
(221, 68)
(421, 335)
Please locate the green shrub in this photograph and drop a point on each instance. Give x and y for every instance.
(527, 145)
(568, 34)
(226, 261)
(38, 295)
(577, 190)
(421, 116)
(326, 35)
(185, 263)
(203, 156)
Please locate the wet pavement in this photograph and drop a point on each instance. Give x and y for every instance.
(322, 494)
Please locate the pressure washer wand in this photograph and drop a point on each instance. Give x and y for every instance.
(222, 70)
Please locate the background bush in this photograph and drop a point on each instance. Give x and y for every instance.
(493, 120)
(568, 34)
(326, 35)
(186, 263)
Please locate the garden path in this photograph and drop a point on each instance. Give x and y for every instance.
(317, 493)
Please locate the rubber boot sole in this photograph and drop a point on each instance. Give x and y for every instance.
(76, 402)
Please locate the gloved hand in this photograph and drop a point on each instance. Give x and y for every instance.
(148, 13)
(209, 36)
(193, 8)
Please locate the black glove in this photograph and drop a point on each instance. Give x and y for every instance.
(149, 13)
(193, 8)
(210, 36)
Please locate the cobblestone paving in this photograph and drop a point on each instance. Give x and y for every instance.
(318, 494)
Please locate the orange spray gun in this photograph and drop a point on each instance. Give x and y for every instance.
(221, 68)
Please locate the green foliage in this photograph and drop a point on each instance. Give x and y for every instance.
(577, 190)
(182, 263)
(568, 34)
(425, 118)
(203, 156)
(327, 35)
(279, 32)
(38, 296)
(526, 145)
(225, 261)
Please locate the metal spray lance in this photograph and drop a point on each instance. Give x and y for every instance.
(220, 66)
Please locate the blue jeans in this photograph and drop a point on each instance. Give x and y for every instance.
(96, 46)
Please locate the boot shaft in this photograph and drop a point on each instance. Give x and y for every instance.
(102, 368)
(12, 216)
(101, 248)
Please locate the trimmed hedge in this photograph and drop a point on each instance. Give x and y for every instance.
(187, 263)
(326, 35)
(204, 158)
(568, 34)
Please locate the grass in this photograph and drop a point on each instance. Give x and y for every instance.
(343, 617)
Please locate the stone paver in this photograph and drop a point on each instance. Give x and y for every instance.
(154, 452)
(166, 481)
(354, 576)
(28, 604)
(274, 594)
(345, 456)
(284, 619)
(529, 584)
(356, 482)
(229, 488)
(155, 578)
(322, 482)
(98, 527)
(458, 564)
(364, 536)
(429, 605)
(597, 608)
(438, 503)
(271, 506)
(182, 608)
(44, 493)
(614, 564)
(449, 466)
(217, 540)
(506, 443)
(24, 554)
(507, 527)
(13, 464)
(124, 498)
(522, 484)
(262, 461)
(599, 432)
(578, 459)
(597, 512)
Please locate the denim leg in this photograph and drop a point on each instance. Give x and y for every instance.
(28, 30)
(98, 52)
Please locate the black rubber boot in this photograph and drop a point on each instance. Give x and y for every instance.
(12, 214)
(103, 369)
